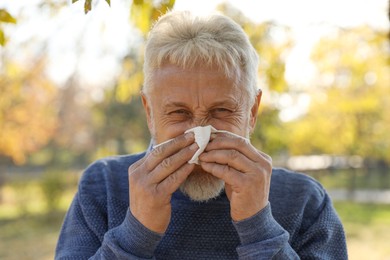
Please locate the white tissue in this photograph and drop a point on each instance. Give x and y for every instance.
(202, 138)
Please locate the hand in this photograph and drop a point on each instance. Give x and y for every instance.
(245, 170)
(153, 179)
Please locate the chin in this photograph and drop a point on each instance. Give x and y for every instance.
(202, 186)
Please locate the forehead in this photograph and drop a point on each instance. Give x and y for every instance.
(171, 71)
(204, 76)
(205, 82)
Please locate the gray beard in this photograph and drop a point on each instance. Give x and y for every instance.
(202, 186)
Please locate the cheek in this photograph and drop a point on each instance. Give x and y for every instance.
(164, 130)
(239, 124)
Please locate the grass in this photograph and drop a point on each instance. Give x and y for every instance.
(29, 222)
(31, 236)
(29, 228)
(367, 229)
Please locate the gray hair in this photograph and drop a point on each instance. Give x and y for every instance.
(184, 40)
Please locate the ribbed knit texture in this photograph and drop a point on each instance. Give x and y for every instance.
(299, 222)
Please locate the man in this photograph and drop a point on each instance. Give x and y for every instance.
(199, 72)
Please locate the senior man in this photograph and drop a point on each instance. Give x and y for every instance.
(201, 191)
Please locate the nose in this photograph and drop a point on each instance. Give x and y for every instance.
(200, 121)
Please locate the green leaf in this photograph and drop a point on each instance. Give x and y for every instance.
(5, 17)
(145, 13)
(140, 15)
(87, 6)
(2, 38)
(138, 2)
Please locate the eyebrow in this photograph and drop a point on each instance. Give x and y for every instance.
(230, 103)
(176, 104)
(171, 105)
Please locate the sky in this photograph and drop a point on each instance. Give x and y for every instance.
(309, 19)
(93, 44)
(297, 13)
(105, 33)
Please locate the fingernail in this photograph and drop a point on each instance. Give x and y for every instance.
(194, 146)
(212, 136)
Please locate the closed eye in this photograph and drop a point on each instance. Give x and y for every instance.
(220, 112)
(221, 109)
(180, 112)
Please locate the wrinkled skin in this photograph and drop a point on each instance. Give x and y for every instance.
(182, 99)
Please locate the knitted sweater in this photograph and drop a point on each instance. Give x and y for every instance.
(299, 222)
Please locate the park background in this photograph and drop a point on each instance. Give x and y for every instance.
(70, 76)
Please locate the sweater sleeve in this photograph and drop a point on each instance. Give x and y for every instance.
(262, 237)
(130, 240)
(86, 233)
(321, 237)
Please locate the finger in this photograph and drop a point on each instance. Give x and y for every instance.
(232, 158)
(228, 174)
(172, 163)
(167, 149)
(226, 140)
(170, 184)
(136, 164)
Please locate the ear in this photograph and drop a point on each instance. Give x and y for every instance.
(148, 111)
(254, 110)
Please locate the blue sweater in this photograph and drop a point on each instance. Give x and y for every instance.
(298, 223)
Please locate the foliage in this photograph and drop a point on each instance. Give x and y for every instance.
(27, 117)
(347, 113)
(88, 4)
(53, 185)
(270, 133)
(73, 139)
(5, 17)
(349, 108)
(272, 51)
(145, 12)
(122, 125)
(120, 117)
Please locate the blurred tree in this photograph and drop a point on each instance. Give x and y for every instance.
(145, 12)
(74, 139)
(27, 116)
(270, 133)
(349, 109)
(272, 42)
(119, 120)
(122, 109)
(5, 17)
(88, 4)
